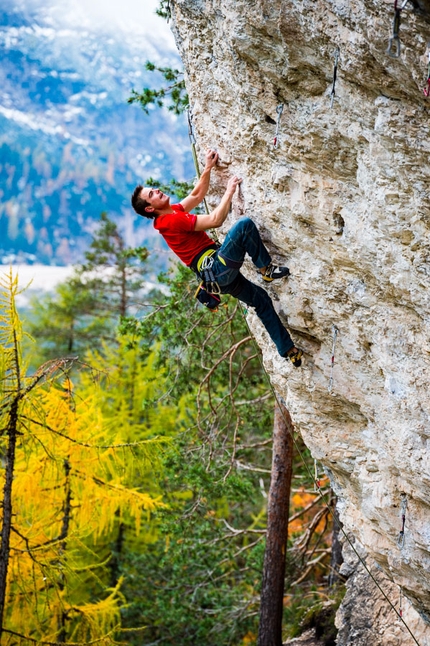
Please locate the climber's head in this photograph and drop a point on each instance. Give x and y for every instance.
(150, 202)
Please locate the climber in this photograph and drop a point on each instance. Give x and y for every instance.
(185, 234)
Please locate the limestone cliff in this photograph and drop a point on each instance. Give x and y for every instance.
(344, 201)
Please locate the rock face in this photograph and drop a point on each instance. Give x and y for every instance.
(343, 199)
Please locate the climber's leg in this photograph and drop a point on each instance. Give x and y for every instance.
(243, 238)
(257, 297)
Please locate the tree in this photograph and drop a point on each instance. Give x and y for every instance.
(175, 91)
(208, 580)
(85, 309)
(272, 592)
(67, 471)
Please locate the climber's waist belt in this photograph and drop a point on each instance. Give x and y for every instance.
(197, 261)
(205, 260)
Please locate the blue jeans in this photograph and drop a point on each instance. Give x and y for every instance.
(244, 238)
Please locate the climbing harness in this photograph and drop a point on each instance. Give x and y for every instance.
(279, 111)
(403, 507)
(211, 301)
(330, 383)
(426, 89)
(205, 270)
(393, 48)
(333, 88)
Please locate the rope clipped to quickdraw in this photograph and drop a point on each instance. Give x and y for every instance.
(192, 137)
(393, 48)
(330, 383)
(426, 89)
(333, 87)
(279, 111)
(403, 507)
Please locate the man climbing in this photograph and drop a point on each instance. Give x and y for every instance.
(186, 236)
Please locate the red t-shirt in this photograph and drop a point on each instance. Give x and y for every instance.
(177, 229)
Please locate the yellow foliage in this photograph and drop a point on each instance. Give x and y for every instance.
(80, 468)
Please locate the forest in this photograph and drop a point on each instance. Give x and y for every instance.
(136, 461)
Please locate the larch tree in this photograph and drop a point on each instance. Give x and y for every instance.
(67, 473)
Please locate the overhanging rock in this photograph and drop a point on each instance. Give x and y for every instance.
(343, 199)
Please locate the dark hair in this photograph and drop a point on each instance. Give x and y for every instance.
(139, 204)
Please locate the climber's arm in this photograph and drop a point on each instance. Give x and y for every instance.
(198, 193)
(215, 219)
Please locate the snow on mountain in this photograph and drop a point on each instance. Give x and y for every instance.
(70, 145)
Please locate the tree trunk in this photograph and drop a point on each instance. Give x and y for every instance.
(116, 554)
(272, 591)
(336, 547)
(62, 636)
(7, 506)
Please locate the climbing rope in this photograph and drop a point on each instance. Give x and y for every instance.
(192, 138)
(393, 48)
(403, 507)
(317, 482)
(426, 89)
(333, 87)
(279, 111)
(330, 383)
(316, 479)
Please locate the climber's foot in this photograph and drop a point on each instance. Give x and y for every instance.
(295, 356)
(272, 272)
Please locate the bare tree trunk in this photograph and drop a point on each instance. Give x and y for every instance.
(272, 591)
(123, 269)
(63, 545)
(336, 547)
(115, 562)
(7, 506)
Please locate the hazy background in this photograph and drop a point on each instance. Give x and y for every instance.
(70, 145)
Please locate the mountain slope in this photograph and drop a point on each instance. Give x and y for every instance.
(70, 145)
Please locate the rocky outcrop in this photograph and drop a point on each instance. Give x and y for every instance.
(344, 200)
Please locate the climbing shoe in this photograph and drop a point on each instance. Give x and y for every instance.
(295, 356)
(274, 273)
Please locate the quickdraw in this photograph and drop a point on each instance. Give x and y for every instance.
(333, 87)
(403, 507)
(393, 48)
(210, 282)
(330, 383)
(400, 602)
(426, 89)
(279, 111)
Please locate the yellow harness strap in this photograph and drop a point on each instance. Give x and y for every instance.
(206, 254)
